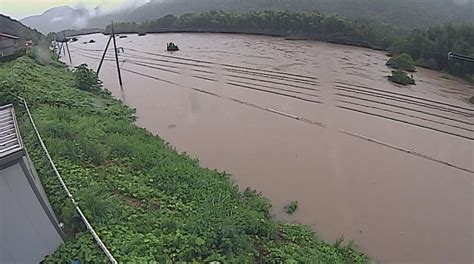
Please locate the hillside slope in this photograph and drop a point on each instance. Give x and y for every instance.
(10, 26)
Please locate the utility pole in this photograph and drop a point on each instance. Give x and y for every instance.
(60, 49)
(103, 55)
(64, 49)
(69, 53)
(55, 44)
(116, 55)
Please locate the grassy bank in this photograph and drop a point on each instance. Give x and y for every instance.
(146, 201)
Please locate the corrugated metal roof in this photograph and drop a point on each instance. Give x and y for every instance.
(9, 137)
(8, 36)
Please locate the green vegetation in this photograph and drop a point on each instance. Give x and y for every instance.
(291, 208)
(471, 100)
(401, 77)
(86, 79)
(400, 13)
(147, 202)
(429, 48)
(402, 62)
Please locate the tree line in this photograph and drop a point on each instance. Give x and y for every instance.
(408, 14)
(429, 48)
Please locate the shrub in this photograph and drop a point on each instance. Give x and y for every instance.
(401, 77)
(291, 208)
(402, 62)
(86, 79)
(41, 55)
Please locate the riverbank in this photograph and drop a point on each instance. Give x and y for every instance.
(147, 202)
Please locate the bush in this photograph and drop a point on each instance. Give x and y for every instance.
(86, 79)
(402, 62)
(291, 208)
(401, 77)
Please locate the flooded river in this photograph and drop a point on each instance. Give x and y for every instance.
(388, 167)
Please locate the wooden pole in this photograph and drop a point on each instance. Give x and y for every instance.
(60, 49)
(116, 56)
(55, 44)
(67, 47)
(103, 55)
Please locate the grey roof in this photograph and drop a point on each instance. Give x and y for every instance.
(10, 141)
(8, 35)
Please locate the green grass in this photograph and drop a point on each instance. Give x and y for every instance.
(147, 202)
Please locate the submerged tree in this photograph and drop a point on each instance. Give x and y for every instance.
(401, 77)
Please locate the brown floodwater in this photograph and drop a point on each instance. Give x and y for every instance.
(386, 166)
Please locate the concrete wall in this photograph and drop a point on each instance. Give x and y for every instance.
(28, 232)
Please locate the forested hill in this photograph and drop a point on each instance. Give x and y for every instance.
(13, 27)
(406, 14)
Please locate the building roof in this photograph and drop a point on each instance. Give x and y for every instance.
(8, 36)
(10, 141)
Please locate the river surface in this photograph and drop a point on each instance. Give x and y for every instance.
(386, 166)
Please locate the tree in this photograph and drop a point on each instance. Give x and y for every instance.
(402, 62)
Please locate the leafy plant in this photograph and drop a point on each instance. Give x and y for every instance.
(402, 62)
(291, 207)
(86, 79)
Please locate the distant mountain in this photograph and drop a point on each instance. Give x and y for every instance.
(13, 27)
(58, 18)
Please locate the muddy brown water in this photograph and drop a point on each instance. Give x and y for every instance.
(388, 167)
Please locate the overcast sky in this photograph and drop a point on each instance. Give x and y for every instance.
(22, 8)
